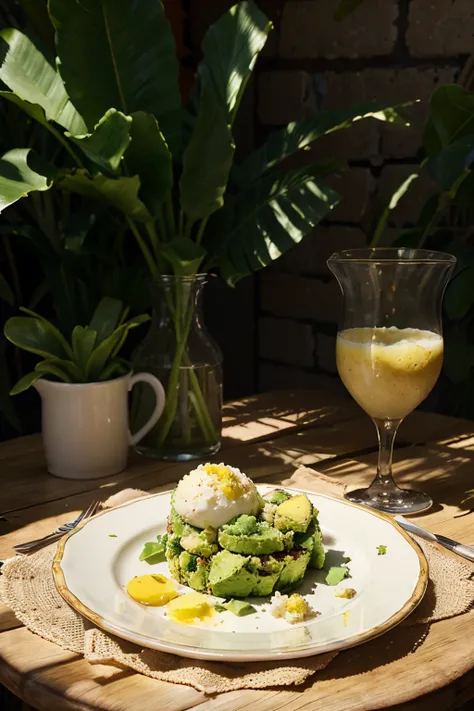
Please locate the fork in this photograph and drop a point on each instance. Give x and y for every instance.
(31, 546)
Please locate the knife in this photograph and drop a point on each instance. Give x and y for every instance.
(454, 546)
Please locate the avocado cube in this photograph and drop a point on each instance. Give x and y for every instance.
(248, 536)
(173, 551)
(318, 554)
(265, 584)
(198, 541)
(229, 575)
(193, 571)
(277, 497)
(294, 568)
(294, 514)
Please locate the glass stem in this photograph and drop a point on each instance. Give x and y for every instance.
(386, 432)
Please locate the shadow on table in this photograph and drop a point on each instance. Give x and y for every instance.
(443, 471)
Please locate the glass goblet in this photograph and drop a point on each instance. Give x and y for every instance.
(389, 348)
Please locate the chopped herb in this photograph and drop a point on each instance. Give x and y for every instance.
(239, 607)
(382, 550)
(159, 578)
(113, 535)
(347, 593)
(220, 608)
(336, 574)
(346, 559)
(154, 552)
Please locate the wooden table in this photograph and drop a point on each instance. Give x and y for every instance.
(267, 436)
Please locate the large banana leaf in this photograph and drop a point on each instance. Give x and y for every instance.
(33, 110)
(149, 157)
(298, 135)
(27, 73)
(453, 162)
(120, 193)
(18, 177)
(116, 53)
(270, 218)
(230, 49)
(108, 142)
(452, 113)
(207, 159)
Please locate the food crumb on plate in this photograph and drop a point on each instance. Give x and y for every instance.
(293, 608)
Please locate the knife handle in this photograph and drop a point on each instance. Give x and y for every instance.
(455, 547)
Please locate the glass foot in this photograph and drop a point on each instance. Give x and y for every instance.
(395, 501)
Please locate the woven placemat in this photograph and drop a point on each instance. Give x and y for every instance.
(27, 587)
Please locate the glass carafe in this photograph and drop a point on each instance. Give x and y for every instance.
(183, 356)
(389, 348)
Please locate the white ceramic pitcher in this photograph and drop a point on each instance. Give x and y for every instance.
(85, 425)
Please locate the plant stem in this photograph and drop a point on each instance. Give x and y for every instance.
(58, 135)
(50, 219)
(202, 227)
(184, 312)
(143, 246)
(181, 223)
(155, 243)
(189, 228)
(170, 215)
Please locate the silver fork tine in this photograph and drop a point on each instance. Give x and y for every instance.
(30, 546)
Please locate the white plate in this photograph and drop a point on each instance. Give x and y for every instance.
(92, 569)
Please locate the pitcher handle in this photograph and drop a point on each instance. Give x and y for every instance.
(159, 406)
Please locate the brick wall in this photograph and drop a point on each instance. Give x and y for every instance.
(390, 50)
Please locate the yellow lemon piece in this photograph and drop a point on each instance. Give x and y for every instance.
(190, 608)
(154, 590)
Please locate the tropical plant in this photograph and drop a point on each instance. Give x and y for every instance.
(91, 354)
(112, 103)
(446, 222)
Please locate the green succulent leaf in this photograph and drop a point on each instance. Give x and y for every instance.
(300, 134)
(107, 143)
(25, 382)
(149, 157)
(230, 49)
(36, 336)
(114, 370)
(83, 342)
(71, 373)
(30, 76)
(184, 255)
(51, 329)
(106, 318)
(21, 172)
(116, 53)
(207, 160)
(120, 193)
(48, 367)
(270, 218)
(108, 348)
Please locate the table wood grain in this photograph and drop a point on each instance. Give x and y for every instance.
(268, 436)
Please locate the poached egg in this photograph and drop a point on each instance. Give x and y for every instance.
(213, 494)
